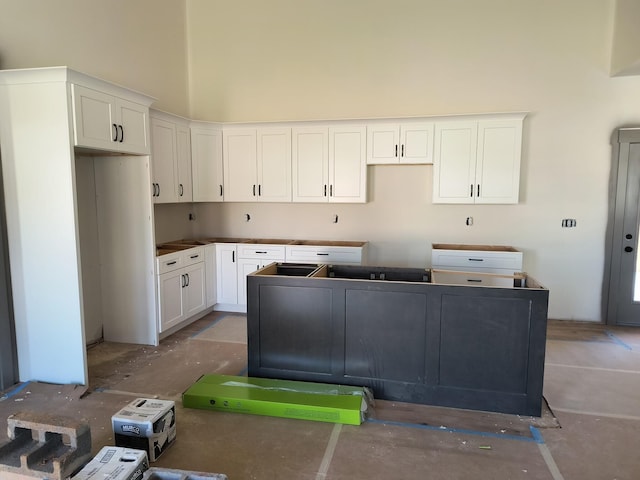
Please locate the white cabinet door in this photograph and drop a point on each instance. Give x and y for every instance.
(347, 164)
(170, 298)
(416, 143)
(183, 161)
(102, 121)
(454, 162)
(163, 157)
(133, 125)
(206, 164)
(226, 273)
(210, 274)
(94, 118)
(245, 267)
(240, 165)
(274, 164)
(498, 164)
(310, 164)
(383, 144)
(194, 291)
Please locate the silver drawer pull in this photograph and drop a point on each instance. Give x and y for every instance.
(194, 256)
(172, 263)
(474, 280)
(264, 253)
(325, 254)
(476, 259)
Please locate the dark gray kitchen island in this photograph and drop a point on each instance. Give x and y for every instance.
(404, 337)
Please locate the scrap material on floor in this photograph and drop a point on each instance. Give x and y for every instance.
(279, 398)
(590, 430)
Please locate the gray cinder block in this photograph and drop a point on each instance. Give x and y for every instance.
(45, 446)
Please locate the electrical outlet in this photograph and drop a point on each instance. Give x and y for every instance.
(569, 222)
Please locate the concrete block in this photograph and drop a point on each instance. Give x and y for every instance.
(44, 446)
(155, 473)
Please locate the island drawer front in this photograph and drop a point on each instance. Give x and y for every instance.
(468, 278)
(169, 262)
(193, 256)
(308, 254)
(477, 259)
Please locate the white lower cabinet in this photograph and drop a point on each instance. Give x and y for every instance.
(226, 274)
(354, 255)
(475, 264)
(234, 261)
(252, 257)
(181, 286)
(211, 284)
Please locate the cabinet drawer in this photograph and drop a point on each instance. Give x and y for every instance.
(169, 262)
(257, 251)
(318, 254)
(471, 278)
(193, 256)
(477, 259)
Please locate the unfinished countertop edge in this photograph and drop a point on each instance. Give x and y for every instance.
(173, 246)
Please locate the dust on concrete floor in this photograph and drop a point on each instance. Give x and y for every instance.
(592, 384)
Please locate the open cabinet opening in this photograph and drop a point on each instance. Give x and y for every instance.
(115, 229)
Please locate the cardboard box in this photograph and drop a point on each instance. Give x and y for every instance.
(279, 398)
(146, 424)
(115, 463)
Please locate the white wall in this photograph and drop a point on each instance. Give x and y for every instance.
(140, 44)
(252, 60)
(625, 54)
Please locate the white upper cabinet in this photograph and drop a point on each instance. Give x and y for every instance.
(347, 164)
(274, 164)
(478, 161)
(240, 165)
(107, 122)
(404, 143)
(206, 163)
(329, 164)
(498, 161)
(171, 159)
(257, 164)
(183, 159)
(310, 158)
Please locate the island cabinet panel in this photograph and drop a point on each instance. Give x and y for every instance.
(383, 341)
(289, 341)
(407, 339)
(472, 352)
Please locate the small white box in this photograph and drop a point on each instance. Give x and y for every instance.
(115, 463)
(146, 424)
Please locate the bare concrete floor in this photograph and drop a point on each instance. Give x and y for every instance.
(592, 430)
